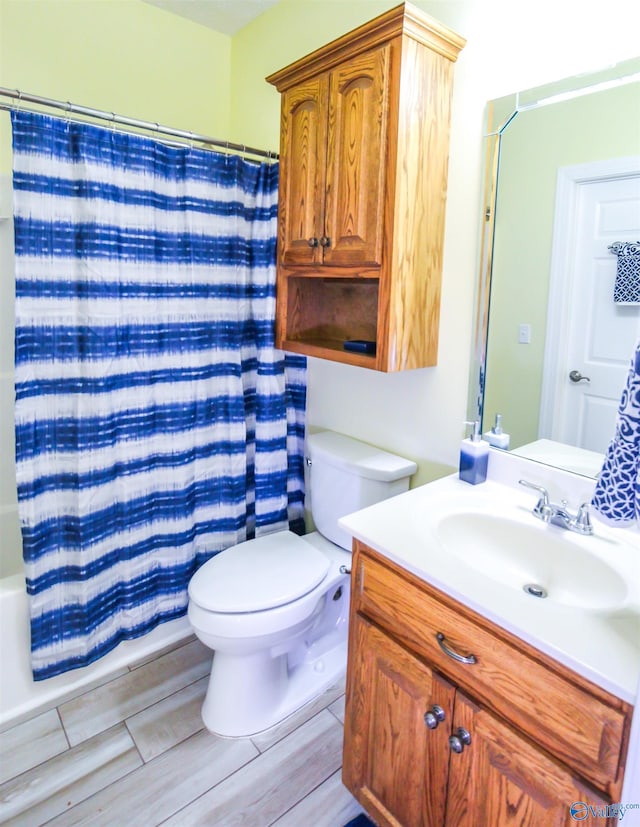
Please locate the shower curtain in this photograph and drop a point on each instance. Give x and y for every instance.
(155, 422)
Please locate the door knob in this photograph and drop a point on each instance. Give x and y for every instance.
(458, 742)
(433, 717)
(576, 376)
(312, 242)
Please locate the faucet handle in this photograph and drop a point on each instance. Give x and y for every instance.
(582, 522)
(542, 508)
(544, 494)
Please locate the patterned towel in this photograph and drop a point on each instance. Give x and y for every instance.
(626, 288)
(617, 491)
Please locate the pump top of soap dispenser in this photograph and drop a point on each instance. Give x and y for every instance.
(496, 436)
(475, 435)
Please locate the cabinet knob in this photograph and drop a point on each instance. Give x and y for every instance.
(458, 741)
(312, 242)
(325, 241)
(433, 717)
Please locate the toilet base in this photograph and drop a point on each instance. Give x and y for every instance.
(262, 691)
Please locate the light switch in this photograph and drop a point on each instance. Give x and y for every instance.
(524, 334)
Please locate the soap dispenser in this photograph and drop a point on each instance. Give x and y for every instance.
(474, 456)
(496, 436)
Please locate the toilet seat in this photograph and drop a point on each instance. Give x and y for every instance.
(258, 574)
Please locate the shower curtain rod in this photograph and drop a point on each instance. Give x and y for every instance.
(72, 108)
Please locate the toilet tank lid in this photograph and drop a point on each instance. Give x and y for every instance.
(358, 457)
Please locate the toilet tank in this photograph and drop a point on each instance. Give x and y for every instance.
(346, 475)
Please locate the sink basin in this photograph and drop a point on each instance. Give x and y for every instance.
(547, 562)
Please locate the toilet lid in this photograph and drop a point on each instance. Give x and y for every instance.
(258, 574)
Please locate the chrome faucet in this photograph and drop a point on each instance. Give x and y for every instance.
(558, 515)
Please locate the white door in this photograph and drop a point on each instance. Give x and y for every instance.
(588, 335)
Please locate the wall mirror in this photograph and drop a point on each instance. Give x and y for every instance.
(561, 188)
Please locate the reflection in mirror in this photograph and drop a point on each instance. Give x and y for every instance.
(562, 184)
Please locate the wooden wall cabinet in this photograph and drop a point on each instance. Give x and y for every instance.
(363, 174)
(539, 737)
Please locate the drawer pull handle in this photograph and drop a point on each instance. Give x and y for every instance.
(460, 658)
(458, 741)
(433, 717)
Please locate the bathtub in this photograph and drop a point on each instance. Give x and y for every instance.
(21, 697)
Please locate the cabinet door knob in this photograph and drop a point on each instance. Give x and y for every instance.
(433, 717)
(460, 658)
(325, 241)
(312, 242)
(458, 741)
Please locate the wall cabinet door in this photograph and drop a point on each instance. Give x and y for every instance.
(356, 160)
(393, 759)
(302, 185)
(500, 778)
(335, 126)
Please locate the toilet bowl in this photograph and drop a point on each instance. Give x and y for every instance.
(275, 609)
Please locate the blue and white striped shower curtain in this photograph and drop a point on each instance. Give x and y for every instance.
(155, 422)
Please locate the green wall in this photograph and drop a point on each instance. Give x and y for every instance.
(534, 146)
(135, 59)
(122, 56)
(286, 32)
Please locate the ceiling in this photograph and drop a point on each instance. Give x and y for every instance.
(226, 16)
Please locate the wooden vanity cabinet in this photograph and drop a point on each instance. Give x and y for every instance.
(363, 175)
(539, 736)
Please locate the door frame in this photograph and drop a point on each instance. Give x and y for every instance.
(562, 279)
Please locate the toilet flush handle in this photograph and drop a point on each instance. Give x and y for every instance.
(344, 569)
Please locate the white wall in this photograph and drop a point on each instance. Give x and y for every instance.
(511, 45)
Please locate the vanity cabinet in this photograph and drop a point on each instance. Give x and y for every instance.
(363, 176)
(451, 720)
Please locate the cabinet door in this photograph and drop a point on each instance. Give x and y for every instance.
(394, 763)
(501, 779)
(356, 159)
(302, 172)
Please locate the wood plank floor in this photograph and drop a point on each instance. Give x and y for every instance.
(134, 751)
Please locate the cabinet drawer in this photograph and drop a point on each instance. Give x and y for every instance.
(570, 717)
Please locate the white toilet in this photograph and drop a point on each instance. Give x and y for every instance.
(275, 609)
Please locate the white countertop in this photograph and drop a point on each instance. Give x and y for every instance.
(603, 645)
(578, 460)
